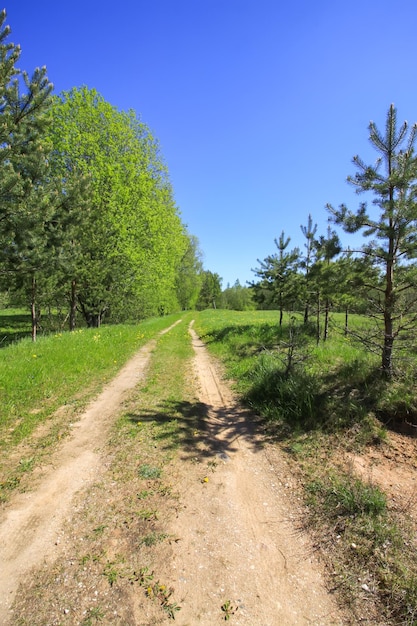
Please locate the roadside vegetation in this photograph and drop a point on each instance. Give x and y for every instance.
(319, 403)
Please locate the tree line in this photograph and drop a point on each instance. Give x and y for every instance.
(88, 222)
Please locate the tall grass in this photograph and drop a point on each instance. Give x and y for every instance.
(284, 375)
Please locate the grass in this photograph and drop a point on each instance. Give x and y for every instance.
(14, 325)
(374, 552)
(319, 401)
(65, 368)
(299, 385)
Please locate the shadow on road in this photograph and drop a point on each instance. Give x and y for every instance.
(203, 431)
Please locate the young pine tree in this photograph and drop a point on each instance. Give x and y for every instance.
(393, 227)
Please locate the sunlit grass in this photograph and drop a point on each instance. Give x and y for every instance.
(36, 378)
(292, 379)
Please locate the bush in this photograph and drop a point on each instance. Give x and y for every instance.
(292, 397)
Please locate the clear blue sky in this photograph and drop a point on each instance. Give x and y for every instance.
(258, 105)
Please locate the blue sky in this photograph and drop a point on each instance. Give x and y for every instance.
(258, 105)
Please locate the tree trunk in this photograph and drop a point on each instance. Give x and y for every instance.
(318, 319)
(73, 306)
(346, 321)
(326, 320)
(389, 301)
(388, 332)
(34, 317)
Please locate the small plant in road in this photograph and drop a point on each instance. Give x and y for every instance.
(162, 594)
(228, 610)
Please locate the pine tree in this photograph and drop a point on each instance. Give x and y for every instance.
(325, 277)
(277, 272)
(24, 205)
(392, 181)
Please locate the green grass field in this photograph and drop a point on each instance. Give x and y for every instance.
(59, 369)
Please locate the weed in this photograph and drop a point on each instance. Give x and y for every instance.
(353, 497)
(148, 515)
(348, 496)
(95, 613)
(145, 493)
(153, 538)
(26, 464)
(162, 594)
(228, 610)
(171, 609)
(149, 472)
(90, 557)
(100, 529)
(143, 577)
(112, 572)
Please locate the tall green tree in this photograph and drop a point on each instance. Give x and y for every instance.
(27, 228)
(211, 289)
(131, 239)
(392, 226)
(190, 275)
(237, 298)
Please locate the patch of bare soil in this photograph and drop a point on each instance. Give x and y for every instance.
(94, 543)
(392, 466)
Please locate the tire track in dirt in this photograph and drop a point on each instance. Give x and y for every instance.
(30, 525)
(237, 539)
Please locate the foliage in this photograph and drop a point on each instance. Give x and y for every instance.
(28, 235)
(237, 298)
(309, 231)
(190, 275)
(87, 215)
(277, 287)
(284, 375)
(131, 241)
(211, 289)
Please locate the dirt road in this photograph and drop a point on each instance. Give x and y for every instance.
(239, 552)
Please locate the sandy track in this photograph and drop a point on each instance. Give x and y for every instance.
(237, 538)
